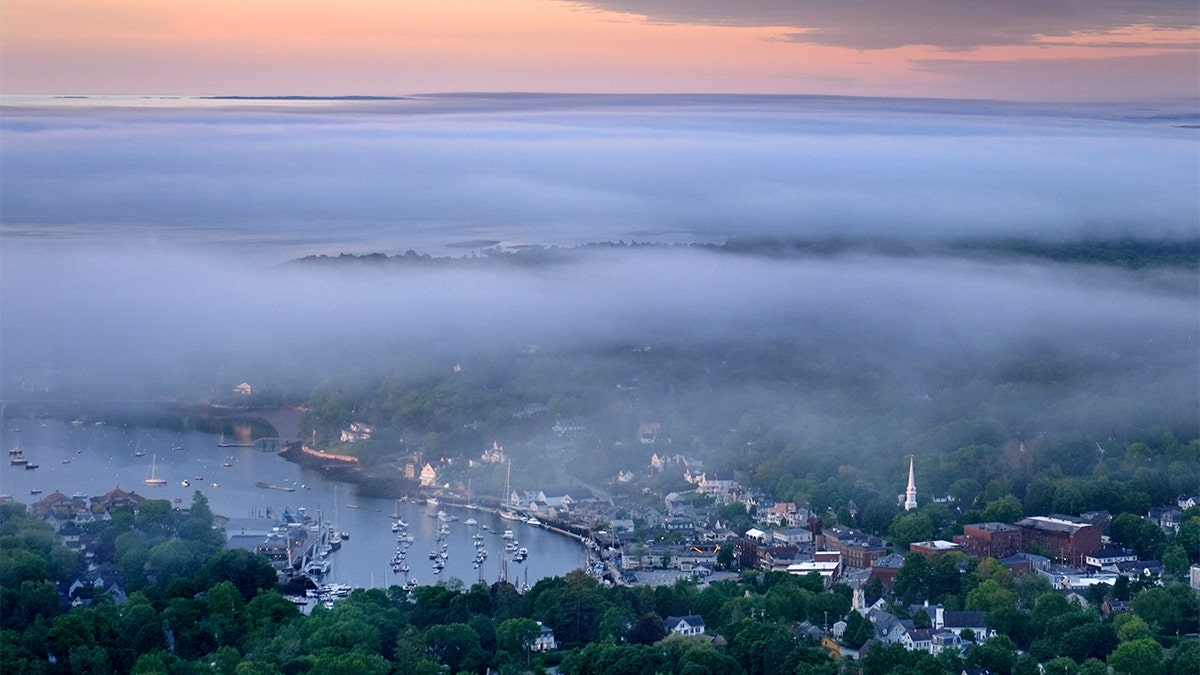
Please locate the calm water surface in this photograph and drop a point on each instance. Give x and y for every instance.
(95, 459)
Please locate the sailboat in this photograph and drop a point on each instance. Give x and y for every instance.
(16, 456)
(153, 479)
(335, 537)
(470, 499)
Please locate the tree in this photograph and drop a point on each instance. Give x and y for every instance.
(456, 645)
(735, 514)
(998, 654)
(909, 527)
(725, 555)
(155, 516)
(686, 655)
(516, 636)
(1175, 559)
(965, 492)
(990, 596)
(872, 590)
(601, 658)
(1137, 657)
(859, 629)
(225, 613)
(1137, 533)
(760, 648)
(912, 579)
(884, 659)
(1130, 627)
(1159, 608)
(342, 629)
(1185, 658)
(1189, 536)
(1006, 509)
(359, 663)
(247, 571)
(580, 606)
(647, 630)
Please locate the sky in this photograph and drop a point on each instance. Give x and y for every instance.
(1069, 50)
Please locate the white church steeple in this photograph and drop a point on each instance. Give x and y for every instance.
(910, 494)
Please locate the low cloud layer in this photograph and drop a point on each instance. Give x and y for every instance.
(145, 253)
(419, 174)
(948, 24)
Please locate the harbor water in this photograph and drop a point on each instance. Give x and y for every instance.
(79, 459)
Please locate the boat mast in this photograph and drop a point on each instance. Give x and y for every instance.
(507, 478)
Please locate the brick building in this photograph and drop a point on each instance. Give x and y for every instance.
(858, 549)
(990, 540)
(1068, 540)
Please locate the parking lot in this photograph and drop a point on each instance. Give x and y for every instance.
(668, 577)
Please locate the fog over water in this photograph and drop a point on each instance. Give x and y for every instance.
(145, 246)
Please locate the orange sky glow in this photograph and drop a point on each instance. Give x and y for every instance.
(387, 47)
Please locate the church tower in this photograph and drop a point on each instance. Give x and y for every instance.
(910, 494)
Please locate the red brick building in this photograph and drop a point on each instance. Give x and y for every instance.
(1068, 540)
(990, 540)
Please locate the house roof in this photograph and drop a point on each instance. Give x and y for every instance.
(691, 620)
(891, 560)
(1054, 524)
(953, 619)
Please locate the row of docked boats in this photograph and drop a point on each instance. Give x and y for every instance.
(509, 514)
(403, 541)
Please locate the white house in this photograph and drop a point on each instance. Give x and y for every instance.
(685, 625)
(793, 536)
(545, 641)
(827, 570)
(428, 476)
(569, 427)
(494, 454)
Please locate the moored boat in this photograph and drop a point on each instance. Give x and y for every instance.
(154, 480)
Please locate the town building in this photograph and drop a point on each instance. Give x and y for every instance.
(886, 568)
(1068, 540)
(1109, 555)
(494, 454)
(858, 549)
(116, 498)
(934, 546)
(428, 476)
(793, 536)
(58, 505)
(990, 540)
